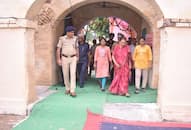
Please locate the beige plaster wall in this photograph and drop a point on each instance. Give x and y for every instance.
(15, 8)
(17, 79)
(30, 65)
(175, 74)
(46, 39)
(175, 8)
(13, 92)
(44, 55)
(20, 8)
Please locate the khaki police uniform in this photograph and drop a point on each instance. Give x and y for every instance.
(69, 60)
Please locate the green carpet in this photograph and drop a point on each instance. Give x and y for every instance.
(62, 112)
(143, 97)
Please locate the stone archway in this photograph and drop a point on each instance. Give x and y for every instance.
(49, 15)
(81, 15)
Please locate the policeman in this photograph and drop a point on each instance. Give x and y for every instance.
(68, 61)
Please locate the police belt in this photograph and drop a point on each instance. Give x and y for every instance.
(68, 56)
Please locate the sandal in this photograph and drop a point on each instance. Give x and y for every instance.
(127, 95)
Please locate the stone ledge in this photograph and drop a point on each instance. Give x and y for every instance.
(133, 111)
(180, 113)
(12, 22)
(173, 22)
(13, 106)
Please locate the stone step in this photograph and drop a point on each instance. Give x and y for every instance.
(133, 111)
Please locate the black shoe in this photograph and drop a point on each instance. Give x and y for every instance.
(102, 89)
(99, 84)
(136, 91)
(144, 89)
(81, 86)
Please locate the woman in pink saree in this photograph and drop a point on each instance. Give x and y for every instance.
(121, 59)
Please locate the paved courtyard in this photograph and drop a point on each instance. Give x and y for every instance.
(8, 121)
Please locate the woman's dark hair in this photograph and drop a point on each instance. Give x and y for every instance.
(102, 38)
(142, 38)
(123, 38)
(94, 41)
(120, 35)
(111, 35)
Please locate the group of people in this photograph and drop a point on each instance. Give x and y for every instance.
(114, 59)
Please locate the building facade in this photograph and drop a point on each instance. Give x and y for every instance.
(29, 32)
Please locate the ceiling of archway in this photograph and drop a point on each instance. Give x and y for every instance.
(85, 13)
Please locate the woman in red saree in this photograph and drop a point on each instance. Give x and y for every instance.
(121, 59)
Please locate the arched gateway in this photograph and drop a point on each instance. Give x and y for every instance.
(51, 14)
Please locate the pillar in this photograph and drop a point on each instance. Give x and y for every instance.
(174, 71)
(17, 79)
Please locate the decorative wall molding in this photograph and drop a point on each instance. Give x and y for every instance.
(13, 22)
(173, 22)
(46, 15)
(13, 106)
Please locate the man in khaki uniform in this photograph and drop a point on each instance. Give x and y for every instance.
(67, 58)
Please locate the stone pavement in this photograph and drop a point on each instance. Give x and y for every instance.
(8, 121)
